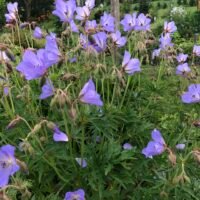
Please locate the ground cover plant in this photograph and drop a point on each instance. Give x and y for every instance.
(95, 112)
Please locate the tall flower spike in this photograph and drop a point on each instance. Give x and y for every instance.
(156, 146)
(76, 195)
(192, 95)
(89, 95)
(47, 90)
(8, 164)
(130, 65)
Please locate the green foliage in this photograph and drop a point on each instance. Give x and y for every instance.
(192, 2)
(144, 6)
(133, 106)
(2, 12)
(188, 25)
(179, 2)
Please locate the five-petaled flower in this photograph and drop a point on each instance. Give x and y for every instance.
(47, 90)
(129, 22)
(8, 164)
(37, 33)
(170, 27)
(181, 58)
(183, 69)
(59, 136)
(156, 146)
(107, 22)
(76, 195)
(89, 95)
(117, 39)
(192, 95)
(130, 65)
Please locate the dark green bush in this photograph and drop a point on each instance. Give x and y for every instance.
(158, 5)
(179, 2)
(185, 2)
(192, 2)
(164, 5)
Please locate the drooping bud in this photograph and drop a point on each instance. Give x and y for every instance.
(26, 147)
(196, 154)
(51, 125)
(73, 113)
(172, 158)
(13, 123)
(23, 166)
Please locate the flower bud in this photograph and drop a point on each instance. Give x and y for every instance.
(73, 113)
(26, 147)
(13, 123)
(23, 166)
(51, 125)
(36, 128)
(196, 154)
(172, 158)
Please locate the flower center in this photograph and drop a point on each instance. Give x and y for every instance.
(75, 197)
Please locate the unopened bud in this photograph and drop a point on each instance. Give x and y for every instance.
(36, 128)
(13, 123)
(23, 166)
(178, 179)
(196, 154)
(73, 113)
(26, 147)
(69, 76)
(172, 158)
(163, 194)
(26, 194)
(51, 125)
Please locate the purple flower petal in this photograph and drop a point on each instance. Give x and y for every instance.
(127, 146)
(76, 195)
(180, 146)
(89, 95)
(59, 136)
(81, 162)
(8, 165)
(47, 90)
